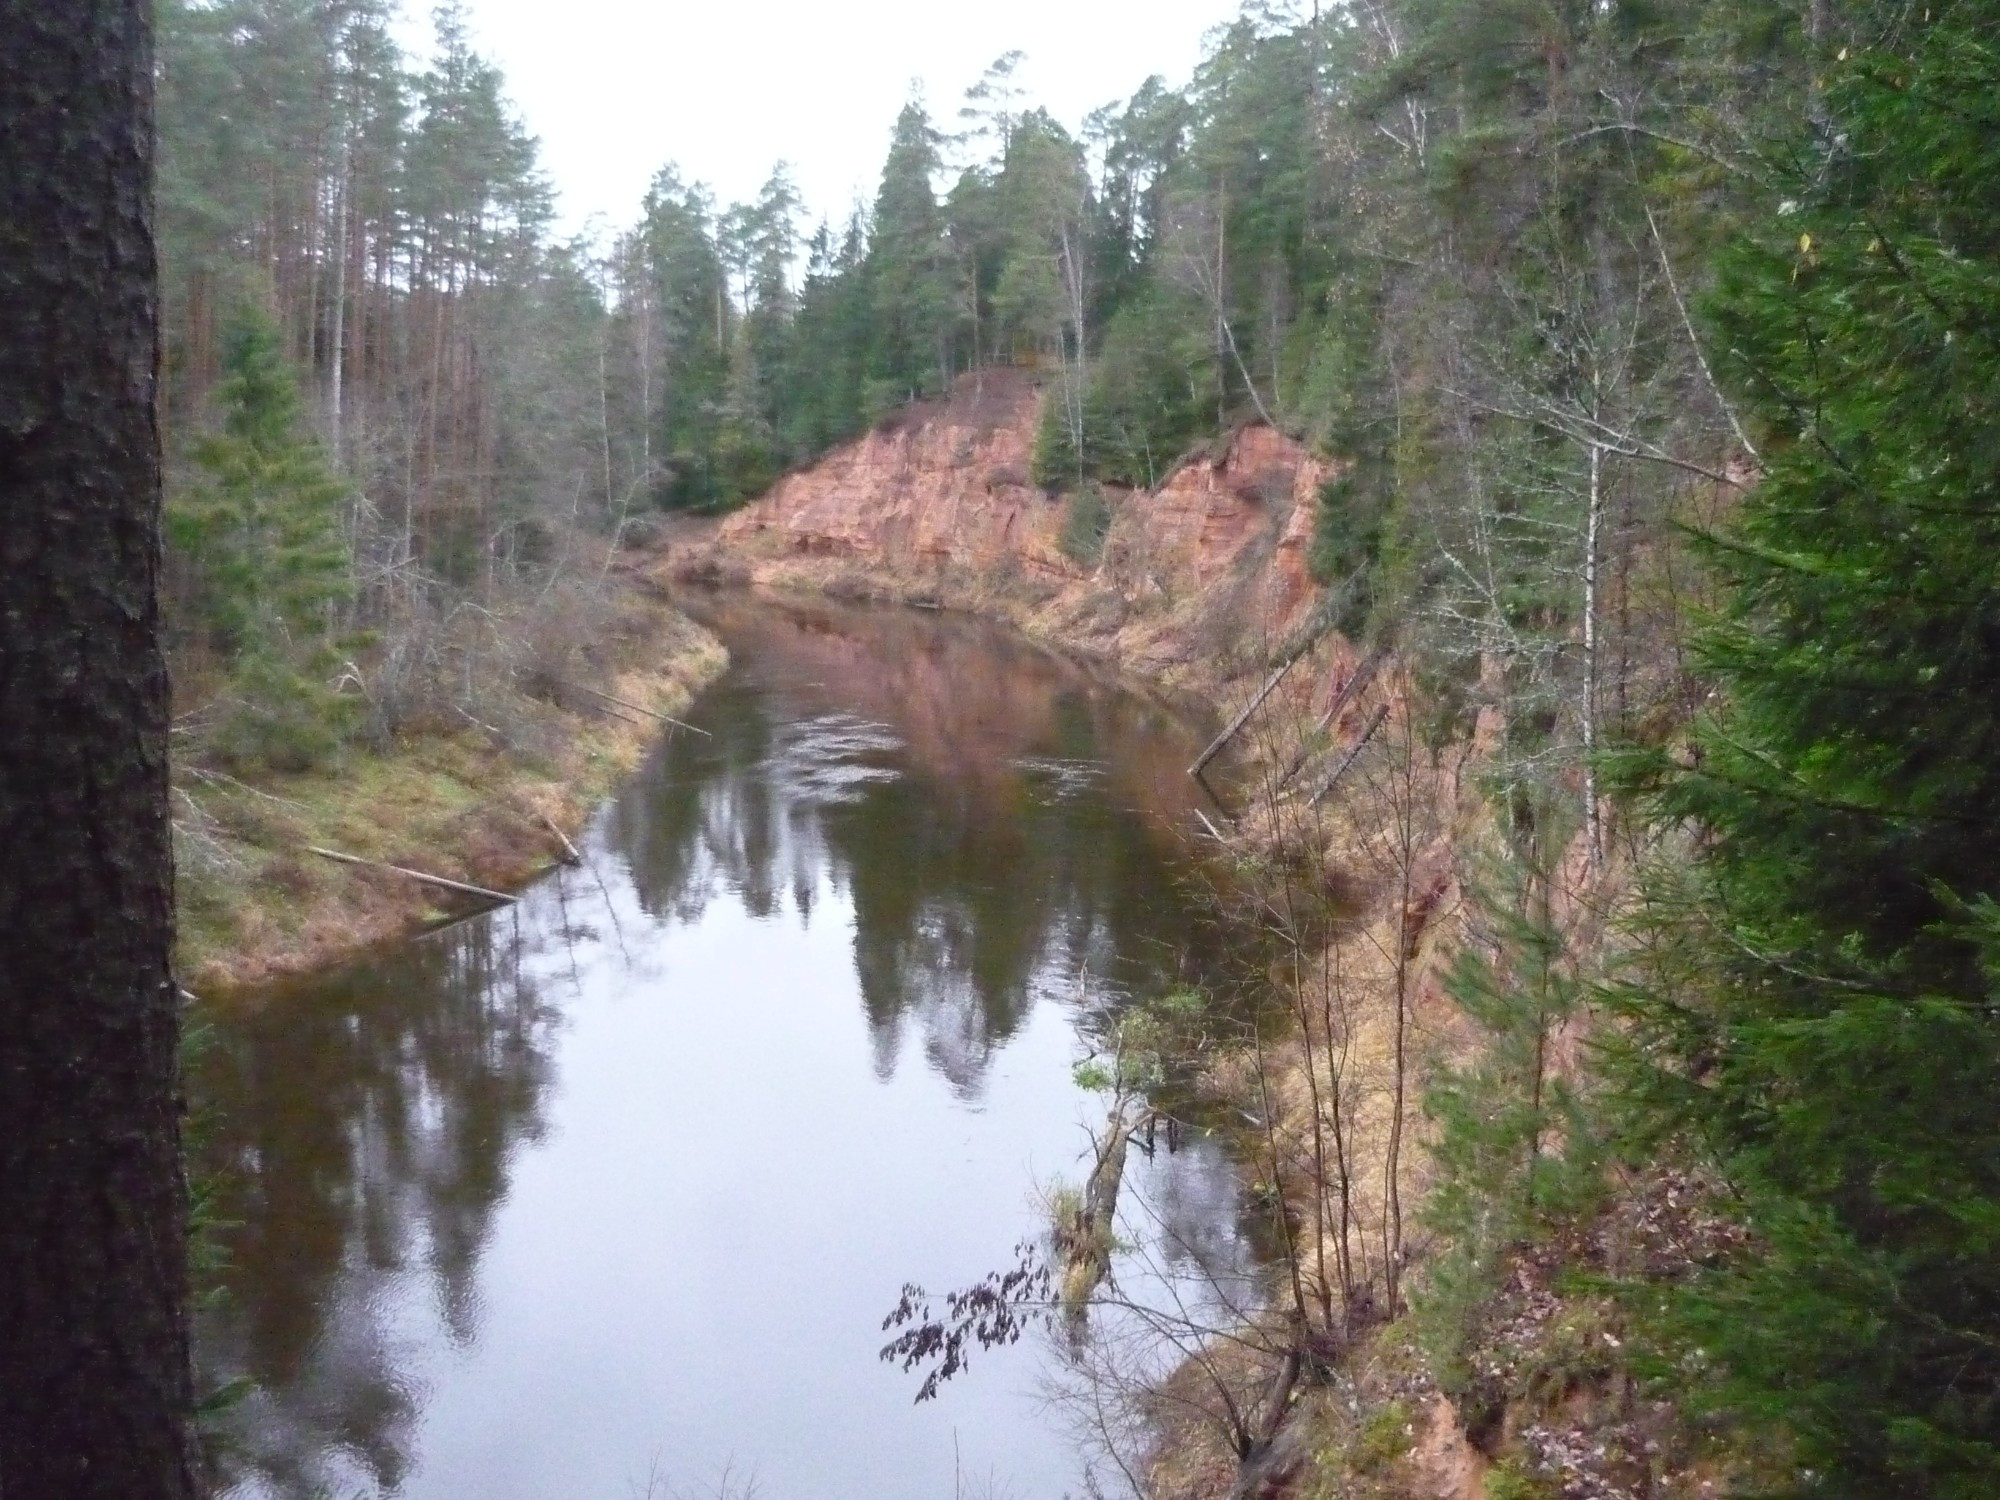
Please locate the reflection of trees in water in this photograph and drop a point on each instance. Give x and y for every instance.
(975, 891)
(707, 816)
(368, 1120)
(364, 1141)
(970, 911)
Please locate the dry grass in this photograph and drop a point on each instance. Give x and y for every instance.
(468, 804)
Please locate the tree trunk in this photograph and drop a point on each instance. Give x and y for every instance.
(337, 361)
(95, 1386)
(645, 300)
(1593, 808)
(1074, 372)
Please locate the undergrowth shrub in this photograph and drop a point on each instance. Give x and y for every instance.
(277, 717)
(1516, 1149)
(1513, 1480)
(1086, 523)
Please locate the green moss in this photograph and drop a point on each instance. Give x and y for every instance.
(1383, 1439)
(1512, 1479)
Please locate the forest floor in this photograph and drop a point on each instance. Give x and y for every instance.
(474, 803)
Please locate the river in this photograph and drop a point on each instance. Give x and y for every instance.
(606, 1194)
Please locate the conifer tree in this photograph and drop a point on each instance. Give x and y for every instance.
(909, 267)
(1513, 1143)
(1841, 1065)
(262, 547)
(831, 340)
(689, 344)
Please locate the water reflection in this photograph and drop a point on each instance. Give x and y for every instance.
(361, 1135)
(538, 1204)
(949, 781)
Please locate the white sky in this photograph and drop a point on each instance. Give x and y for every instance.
(726, 88)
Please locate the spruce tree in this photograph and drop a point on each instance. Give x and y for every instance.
(262, 546)
(1513, 1145)
(690, 341)
(909, 268)
(1841, 1065)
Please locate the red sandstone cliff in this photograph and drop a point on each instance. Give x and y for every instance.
(1196, 581)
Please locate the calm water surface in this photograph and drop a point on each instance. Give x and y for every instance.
(611, 1190)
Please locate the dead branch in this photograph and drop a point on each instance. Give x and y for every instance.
(651, 713)
(1317, 629)
(439, 880)
(1355, 685)
(570, 855)
(1694, 339)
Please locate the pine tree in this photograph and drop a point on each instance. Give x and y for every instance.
(95, 1379)
(1842, 1066)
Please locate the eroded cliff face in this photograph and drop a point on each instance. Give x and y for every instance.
(1196, 582)
(942, 483)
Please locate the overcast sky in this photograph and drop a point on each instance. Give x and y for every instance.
(727, 87)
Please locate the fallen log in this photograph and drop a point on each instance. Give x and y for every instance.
(1317, 626)
(1353, 753)
(1086, 1240)
(651, 713)
(1236, 724)
(569, 850)
(1355, 685)
(377, 864)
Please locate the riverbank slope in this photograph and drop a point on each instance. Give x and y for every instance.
(483, 800)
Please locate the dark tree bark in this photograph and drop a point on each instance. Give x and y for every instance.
(95, 1387)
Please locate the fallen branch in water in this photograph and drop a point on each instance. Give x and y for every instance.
(376, 864)
(1086, 1234)
(569, 849)
(651, 713)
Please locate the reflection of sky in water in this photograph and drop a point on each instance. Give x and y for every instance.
(620, 1181)
(832, 758)
(1059, 778)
